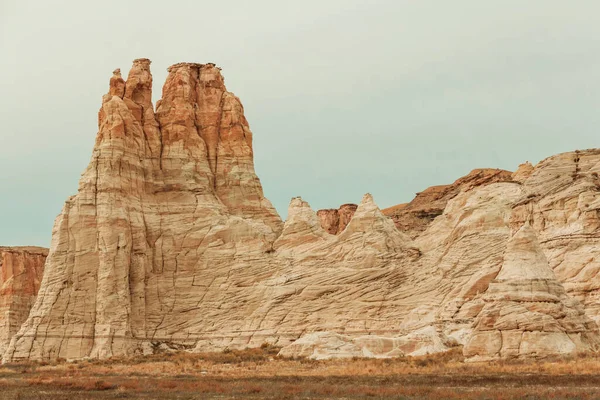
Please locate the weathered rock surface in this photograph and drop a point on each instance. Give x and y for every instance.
(414, 217)
(21, 271)
(462, 253)
(523, 172)
(168, 199)
(170, 243)
(326, 345)
(302, 231)
(335, 220)
(561, 200)
(527, 312)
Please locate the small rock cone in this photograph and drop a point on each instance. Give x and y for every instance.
(527, 313)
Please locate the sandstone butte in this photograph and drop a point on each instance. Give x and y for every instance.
(170, 245)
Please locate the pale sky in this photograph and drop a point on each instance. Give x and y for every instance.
(344, 97)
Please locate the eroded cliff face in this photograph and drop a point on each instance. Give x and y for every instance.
(561, 201)
(170, 244)
(21, 271)
(168, 202)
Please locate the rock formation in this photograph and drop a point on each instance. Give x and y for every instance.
(561, 200)
(302, 231)
(170, 244)
(335, 220)
(326, 345)
(414, 217)
(167, 198)
(523, 172)
(21, 271)
(462, 253)
(527, 312)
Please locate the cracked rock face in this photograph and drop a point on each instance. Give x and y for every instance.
(168, 197)
(326, 345)
(170, 244)
(21, 270)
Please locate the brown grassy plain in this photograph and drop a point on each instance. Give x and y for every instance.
(260, 374)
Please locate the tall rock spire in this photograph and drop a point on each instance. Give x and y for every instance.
(138, 98)
(211, 95)
(149, 205)
(198, 115)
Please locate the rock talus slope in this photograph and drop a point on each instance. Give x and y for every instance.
(170, 244)
(21, 270)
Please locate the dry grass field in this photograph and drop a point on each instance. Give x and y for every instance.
(260, 374)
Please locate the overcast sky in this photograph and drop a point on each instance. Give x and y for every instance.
(343, 96)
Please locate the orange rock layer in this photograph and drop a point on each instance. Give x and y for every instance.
(21, 270)
(335, 220)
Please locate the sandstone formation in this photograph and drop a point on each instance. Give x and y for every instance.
(21, 271)
(414, 217)
(335, 220)
(523, 172)
(561, 200)
(527, 312)
(326, 345)
(170, 244)
(302, 231)
(168, 197)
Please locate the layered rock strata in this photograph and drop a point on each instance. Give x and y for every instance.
(170, 243)
(168, 199)
(561, 200)
(21, 270)
(527, 312)
(327, 345)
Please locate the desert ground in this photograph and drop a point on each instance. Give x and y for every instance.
(261, 374)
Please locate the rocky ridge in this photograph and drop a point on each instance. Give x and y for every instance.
(169, 244)
(414, 217)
